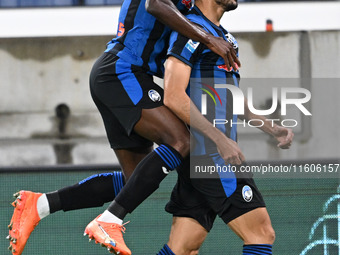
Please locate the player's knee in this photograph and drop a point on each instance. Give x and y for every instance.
(193, 252)
(184, 246)
(260, 234)
(185, 250)
(266, 231)
(266, 234)
(181, 143)
(270, 234)
(183, 146)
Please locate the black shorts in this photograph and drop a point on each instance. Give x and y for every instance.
(204, 199)
(120, 91)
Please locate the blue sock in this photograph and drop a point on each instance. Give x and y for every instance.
(169, 155)
(118, 181)
(257, 249)
(165, 251)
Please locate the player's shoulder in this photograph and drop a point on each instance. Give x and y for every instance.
(197, 17)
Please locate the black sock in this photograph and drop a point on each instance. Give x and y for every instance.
(93, 191)
(119, 211)
(53, 201)
(146, 178)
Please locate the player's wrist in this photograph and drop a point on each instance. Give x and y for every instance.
(275, 130)
(218, 137)
(208, 40)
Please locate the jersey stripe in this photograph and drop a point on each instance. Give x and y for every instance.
(129, 82)
(145, 40)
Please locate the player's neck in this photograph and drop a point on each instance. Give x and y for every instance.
(211, 10)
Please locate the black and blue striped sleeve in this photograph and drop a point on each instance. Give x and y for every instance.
(184, 49)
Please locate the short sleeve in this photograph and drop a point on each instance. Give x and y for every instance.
(184, 49)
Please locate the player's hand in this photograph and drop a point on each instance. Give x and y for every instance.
(284, 136)
(225, 50)
(230, 151)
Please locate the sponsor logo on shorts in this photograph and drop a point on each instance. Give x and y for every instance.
(154, 95)
(247, 193)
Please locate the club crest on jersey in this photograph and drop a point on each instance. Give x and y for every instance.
(247, 193)
(188, 3)
(192, 46)
(232, 40)
(154, 95)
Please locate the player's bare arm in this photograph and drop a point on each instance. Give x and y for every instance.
(176, 80)
(284, 136)
(166, 12)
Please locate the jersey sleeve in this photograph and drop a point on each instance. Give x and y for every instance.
(184, 48)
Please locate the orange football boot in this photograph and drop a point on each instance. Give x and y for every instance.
(25, 218)
(109, 235)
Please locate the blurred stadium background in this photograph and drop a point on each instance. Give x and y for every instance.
(51, 134)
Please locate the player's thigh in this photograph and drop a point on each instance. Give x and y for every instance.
(237, 200)
(192, 217)
(161, 125)
(186, 236)
(188, 202)
(243, 211)
(254, 227)
(158, 123)
(130, 149)
(136, 101)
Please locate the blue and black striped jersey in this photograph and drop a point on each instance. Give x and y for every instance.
(141, 39)
(208, 69)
